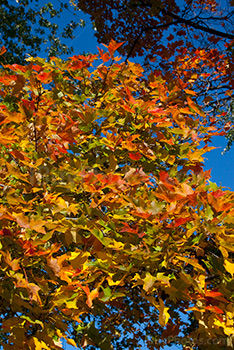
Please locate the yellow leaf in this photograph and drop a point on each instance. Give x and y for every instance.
(78, 259)
(163, 313)
(229, 267)
(22, 220)
(39, 345)
(37, 225)
(71, 342)
(224, 252)
(148, 281)
(37, 163)
(16, 172)
(73, 208)
(201, 279)
(193, 262)
(60, 205)
(6, 140)
(162, 278)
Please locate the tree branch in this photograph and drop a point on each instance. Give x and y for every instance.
(190, 22)
(198, 26)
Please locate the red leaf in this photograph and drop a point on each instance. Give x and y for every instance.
(5, 232)
(45, 77)
(218, 193)
(135, 156)
(181, 221)
(29, 104)
(213, 294)
(166, 180)
(15, 67)
(127, 228)
(157, 111)
(127, 108)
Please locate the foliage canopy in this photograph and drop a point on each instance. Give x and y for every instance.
(106, 212)
(31, 26)
(186, 39)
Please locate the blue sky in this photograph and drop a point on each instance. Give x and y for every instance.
(222, 165)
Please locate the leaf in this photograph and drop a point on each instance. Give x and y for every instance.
(190, 92)
(71, 342)
(13, 263)
(149, 281)
(3, 50)
(163, 278)
(135, 156)
(229, 267)
(22, 220)
(193, 262)
(38, 345)
(218, 204)
(104, 56)
(163, 313)
(93, 295)
(19, 84)
(32, 321)
(15, 172)
(113, 46)
(107, 294)
(194, 107)
(214, 309)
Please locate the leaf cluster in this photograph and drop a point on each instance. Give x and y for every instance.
(109, 224)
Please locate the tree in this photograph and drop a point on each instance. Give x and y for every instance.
(29, 27)
(108, 219)
(189, 39)
(142, 24)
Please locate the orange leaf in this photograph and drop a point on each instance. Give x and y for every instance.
(3, 50)
(113, 46)
(194, 107)
(181, 221)
(214, 309)
(90, 297)
(105, 57)
(13, 263)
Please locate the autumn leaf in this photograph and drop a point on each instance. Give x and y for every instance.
(36, 344)
(229, 266)
(113, 46)
(135, 156)
(3, 50)
(149, 281)
(71, 342)
(163, 313)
